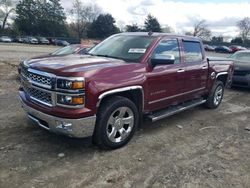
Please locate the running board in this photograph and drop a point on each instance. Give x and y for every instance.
(174, 110)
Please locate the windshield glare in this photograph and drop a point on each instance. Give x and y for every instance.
(125, 47)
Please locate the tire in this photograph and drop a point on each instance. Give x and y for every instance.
(216, 95)
(110, 130)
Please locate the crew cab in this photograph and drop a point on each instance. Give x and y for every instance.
(107, 92)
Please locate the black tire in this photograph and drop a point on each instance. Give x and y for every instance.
(107, 111)
(212, 101)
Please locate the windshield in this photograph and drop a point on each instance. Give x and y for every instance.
(125, 47)
(66, 50)
(241, 56)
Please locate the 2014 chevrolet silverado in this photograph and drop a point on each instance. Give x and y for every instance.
(105, 93)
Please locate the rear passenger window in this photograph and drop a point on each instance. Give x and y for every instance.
(168, 47)
(192, 51)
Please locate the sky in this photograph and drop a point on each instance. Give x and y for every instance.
(221, 15)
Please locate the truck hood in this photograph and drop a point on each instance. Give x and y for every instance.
(71, 64)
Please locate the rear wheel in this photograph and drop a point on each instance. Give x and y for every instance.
(216, 95)
(117, 121)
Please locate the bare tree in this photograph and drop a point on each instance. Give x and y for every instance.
(82, 16)
(6, 7)
(244, 27)
(201, 30)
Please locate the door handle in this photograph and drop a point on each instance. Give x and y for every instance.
(180, 70)
(204, 67)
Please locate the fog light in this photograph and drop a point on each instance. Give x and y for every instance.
(70, 100)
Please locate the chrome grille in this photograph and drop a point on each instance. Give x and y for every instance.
(24, 72)
(36, 78)
(40, 79)
(38, 95)
(40, 87)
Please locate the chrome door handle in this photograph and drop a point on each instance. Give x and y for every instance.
(204, 67)
(180, 70)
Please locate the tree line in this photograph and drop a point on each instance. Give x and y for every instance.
(48, 18)
(86, 20)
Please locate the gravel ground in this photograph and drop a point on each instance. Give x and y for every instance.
(16, 52)
(193, 149)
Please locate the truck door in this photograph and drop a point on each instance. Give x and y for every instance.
(196, 68)
(165, 82)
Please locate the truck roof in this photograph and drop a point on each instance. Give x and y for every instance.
(156, 34)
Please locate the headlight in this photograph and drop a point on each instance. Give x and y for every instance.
(70, 100)
(69, 84)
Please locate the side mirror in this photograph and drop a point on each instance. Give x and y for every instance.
(162, 59)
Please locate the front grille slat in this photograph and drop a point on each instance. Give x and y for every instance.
(40, 79)
(39, 95)
(34, 93)
(36, 78)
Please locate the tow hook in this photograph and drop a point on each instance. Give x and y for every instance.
(65, 126)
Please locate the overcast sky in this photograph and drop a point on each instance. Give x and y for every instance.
(221, 15)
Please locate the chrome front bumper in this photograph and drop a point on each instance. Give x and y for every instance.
(78, 128)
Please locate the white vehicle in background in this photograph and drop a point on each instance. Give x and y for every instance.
(5, 39)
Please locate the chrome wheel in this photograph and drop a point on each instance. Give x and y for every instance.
(120, 124)
(218, 95)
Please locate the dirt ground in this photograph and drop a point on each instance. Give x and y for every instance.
(193, 149)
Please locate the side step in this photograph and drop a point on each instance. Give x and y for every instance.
(174, 109)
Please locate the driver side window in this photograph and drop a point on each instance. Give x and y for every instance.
(168, 47)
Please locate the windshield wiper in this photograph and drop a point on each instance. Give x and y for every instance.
(108, 56)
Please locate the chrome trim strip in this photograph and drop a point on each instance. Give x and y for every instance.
(221, 73)
(24, 63)
(38, 122)
(49, 75)
(71, 78)
(41, 89)
(103, 95)
(68, 106)
(44, 103)
(166, 98)
(70, 94)
(67, 91)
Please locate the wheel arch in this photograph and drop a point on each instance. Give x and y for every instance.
(222, 76)
(134, 93)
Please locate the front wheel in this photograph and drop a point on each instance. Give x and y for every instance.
(216, 95)
(117, 120)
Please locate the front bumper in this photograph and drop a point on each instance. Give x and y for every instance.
(78, 128)
(242, 81)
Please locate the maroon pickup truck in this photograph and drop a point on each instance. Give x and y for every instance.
(105, 93)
